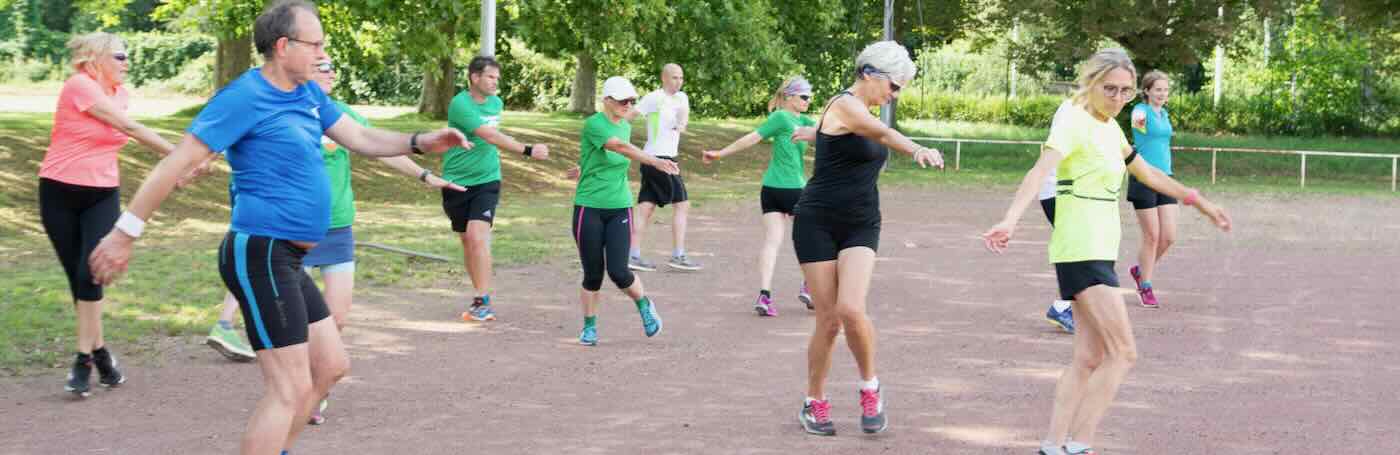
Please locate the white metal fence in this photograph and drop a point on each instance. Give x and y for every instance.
(1214, 155)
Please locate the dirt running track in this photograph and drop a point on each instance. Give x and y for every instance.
(1279, 338)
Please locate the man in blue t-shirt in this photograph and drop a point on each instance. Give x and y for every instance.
(270, 122)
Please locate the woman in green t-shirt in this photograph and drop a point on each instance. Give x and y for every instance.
(1089, 152)
(782, 182)
(603, 206)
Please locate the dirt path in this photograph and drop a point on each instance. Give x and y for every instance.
(1280, 338)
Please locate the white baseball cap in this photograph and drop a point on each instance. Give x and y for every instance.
(618, 88)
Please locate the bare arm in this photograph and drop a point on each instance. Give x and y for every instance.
(109, 260)
(741, 144)
(858, 119)
(380, 143)
(505, 142)
(407, 167)
(1163, 183)
(806, 133)
(998, 237)
(108, 113)
(616, 145)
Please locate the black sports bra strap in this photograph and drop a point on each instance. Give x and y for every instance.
(822, 119)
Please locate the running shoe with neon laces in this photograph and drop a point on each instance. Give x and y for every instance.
(589, 336)
(80, 377)
(1148, 299)
(815, 418)
(805, 297)
(228, 343)
(872, 412)
(1062, 319)
(107, 373)
(651, 321)
(479, 311)
(764, 306)
(684, 263)
(641, 265)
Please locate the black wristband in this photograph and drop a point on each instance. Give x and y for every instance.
(413, 143)
(529, 150)
(423, 176)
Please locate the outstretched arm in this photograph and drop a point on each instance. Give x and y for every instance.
(859, 120)
(743, 143)
(505, 142)
(998, 237)
(616, 145)
(1163, 183)
(377, 142)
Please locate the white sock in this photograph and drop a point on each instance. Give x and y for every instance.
(872, 384)
(809, 400)
(678, 252)
(636, 252)
(1060, 305)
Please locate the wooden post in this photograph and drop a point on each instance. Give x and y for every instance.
(1303, 172)
(957, 156)
(1212, 165)
(1393, 162)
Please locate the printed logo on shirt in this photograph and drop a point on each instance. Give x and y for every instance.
(486, 214)
(316, 112)
(491, 120)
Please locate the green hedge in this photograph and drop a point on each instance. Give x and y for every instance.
(1251, 114)
(159, 56)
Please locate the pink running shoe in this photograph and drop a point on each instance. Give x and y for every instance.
(1148, 299)
(764, 306)
(1137, 276)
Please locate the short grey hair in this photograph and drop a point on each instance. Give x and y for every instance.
(277, 21)
(886, 57)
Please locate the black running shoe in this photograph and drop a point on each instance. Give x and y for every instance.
(80, 377)
(107, 372)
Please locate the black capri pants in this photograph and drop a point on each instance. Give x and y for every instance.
(76, 217)
(604, 237)
(278, 299)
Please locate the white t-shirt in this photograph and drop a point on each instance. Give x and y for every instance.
(1047, 188)
(662, 113)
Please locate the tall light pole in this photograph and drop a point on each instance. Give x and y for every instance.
(488, 28)
(887, 111)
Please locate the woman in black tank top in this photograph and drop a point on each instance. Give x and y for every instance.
(837, 227)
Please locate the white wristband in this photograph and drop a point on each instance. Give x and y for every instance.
(131, 224)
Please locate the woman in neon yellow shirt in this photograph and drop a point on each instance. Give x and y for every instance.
(1090, 154)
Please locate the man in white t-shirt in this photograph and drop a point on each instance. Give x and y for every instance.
(666, 112)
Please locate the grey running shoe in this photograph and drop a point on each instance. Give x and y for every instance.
(872, 412)
(641, 265)
(815, 418)
(684, 263)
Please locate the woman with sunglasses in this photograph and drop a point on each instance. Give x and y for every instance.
(836, 231)
(1091, 154)
(603, 206)
(78, 186)
(782, 182)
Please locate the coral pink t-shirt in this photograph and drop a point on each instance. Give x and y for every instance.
(82, 148)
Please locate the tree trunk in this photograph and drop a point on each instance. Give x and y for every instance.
(585, 84)
(232, 58)
(438, 85)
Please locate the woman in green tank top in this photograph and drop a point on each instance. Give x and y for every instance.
(782, 182)
(1090, 154)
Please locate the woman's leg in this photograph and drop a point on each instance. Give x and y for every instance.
(1102, 307)
(340, 289)
(1166, 231)
(774, 227)
(1147, 247)
(1069, 390)
(854, 267)
(821, 282)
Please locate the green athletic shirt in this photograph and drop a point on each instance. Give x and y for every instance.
(337, 160)
(602, 180)
(1091, 177)
(785, 167)
(482, 163)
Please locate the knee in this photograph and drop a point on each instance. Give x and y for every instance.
(1164, 242)
(1126, 356)
(621, 276)
(1088, 362)
(849, 314)
(294, 391)
(828, 327)
(592, 281)
(478, 241)
(1149, 238)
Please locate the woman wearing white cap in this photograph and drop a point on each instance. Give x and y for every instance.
(602, 217)
(782, 182)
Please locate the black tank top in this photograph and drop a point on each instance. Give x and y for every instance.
(846, 169)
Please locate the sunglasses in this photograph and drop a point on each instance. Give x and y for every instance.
(626, 102)
(805, 97)
(120, 57)
(325, 67)
(894, 88)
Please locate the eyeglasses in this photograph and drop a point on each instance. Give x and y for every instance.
(325, 67)
(894, 88)
(1116, 91)
(319, 45)
(120, 57)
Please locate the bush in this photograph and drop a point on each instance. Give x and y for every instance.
(531, 81)
(195, 78)
(159, 56)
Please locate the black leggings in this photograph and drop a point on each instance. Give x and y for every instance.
(603, 237)
(76, 217)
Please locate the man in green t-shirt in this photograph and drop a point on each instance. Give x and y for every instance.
(476, 112)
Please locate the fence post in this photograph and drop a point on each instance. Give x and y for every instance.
(1212, 165)
(1393, 162)
(957, 156)
(1303, 172)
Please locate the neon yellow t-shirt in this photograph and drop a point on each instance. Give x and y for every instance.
(1087, 195)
